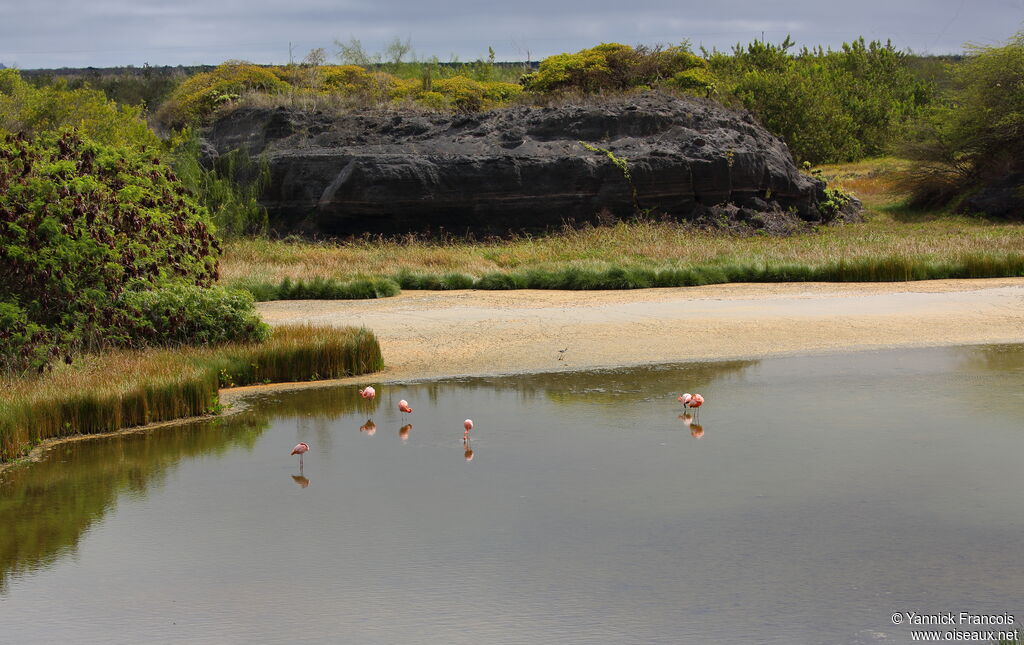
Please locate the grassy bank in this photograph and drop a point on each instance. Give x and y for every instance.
(121, 389)
(892, 244)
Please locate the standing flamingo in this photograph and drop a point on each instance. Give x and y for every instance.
(300, 449)
(685, 399)
(403, 407)
(368, 392)
(696, 401)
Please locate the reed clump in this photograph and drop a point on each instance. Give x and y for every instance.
(125, 388)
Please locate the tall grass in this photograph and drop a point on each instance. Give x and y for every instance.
(121, 389)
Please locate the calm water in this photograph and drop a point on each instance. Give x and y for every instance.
(824, 494)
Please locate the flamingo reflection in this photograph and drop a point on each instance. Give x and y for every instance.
(403, 432)
(370, 428)
(468, 454)
(302, 481)
(696, 431)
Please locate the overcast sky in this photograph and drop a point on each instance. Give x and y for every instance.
(78, 33)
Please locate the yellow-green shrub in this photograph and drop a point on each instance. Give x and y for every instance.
(612, 67)
(198, 97)
(32, 111)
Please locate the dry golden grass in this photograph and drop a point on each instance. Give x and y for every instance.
(888, 232)
(123, 388)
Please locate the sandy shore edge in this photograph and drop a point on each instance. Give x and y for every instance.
(431, 335)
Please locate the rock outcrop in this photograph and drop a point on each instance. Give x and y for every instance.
(521, 168)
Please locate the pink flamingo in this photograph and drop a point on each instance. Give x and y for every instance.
(696, 401)
(300, 449)
(403, 407)
(368, 392)
(468, 425)
(685, 399)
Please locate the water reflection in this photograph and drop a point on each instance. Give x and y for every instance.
(370, 428)
(46, 507)
(798, 552)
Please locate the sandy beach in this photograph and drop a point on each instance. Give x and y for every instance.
(430, 334)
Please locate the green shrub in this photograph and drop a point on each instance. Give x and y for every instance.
(230, 190)
(31, 111)
(975, 137)
(183, 314)
(615, 67)
(195, 100)
(829, 106)
(80, 224)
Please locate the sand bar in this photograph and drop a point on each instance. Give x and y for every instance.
(430, 334)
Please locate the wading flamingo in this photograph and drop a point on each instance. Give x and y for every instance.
(685, 399)
(403, 407)
(696, 401)
(300, 449)
(368, 392)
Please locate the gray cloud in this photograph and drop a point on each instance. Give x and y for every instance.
(54, 33)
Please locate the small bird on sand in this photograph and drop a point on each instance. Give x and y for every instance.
(368, 392)
(403, 407)
(561, 353)
(300, 449)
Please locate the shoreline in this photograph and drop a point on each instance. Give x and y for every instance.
(424, 335)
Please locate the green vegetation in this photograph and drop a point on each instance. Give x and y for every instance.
(229, 190)
(973, 138)
(612, 67)
(319, 289)
(83, 225)
(123, 388)
(31, 111)
(829, 106)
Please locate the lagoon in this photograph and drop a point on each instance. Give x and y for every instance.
(817, 496)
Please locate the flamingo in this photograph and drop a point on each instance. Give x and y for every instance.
(368, 392)
(300, 449)
(696, 401)
(403, 407)
(467, 424)
(685, 399)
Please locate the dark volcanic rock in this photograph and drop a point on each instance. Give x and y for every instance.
(520, 168)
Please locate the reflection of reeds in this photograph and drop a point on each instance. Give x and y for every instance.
(127, 388)
(45, 509)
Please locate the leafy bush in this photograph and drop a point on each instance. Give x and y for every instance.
(197, 98)
(182, 314)
(80, 224)
(614, 67)
(28, 110)
(829, 106)
(974, 138)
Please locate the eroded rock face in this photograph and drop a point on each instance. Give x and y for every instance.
(518, 169)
